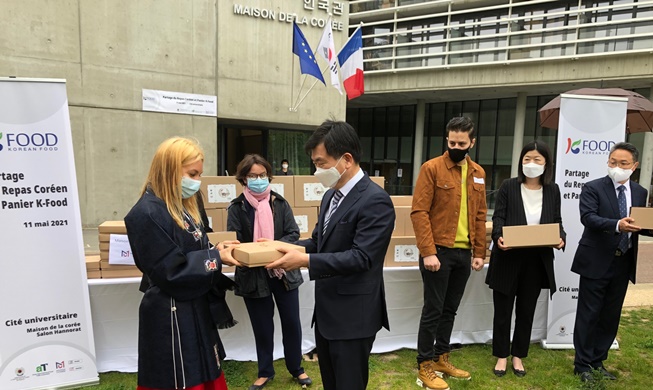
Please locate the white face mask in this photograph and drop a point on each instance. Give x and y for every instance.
(533, 170)
(619, 174)
(284, 166)
(329, 177)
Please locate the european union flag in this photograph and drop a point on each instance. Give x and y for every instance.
(307, 62)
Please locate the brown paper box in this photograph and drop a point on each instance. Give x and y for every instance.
(402, 216)
(218, 237)
(308, 191)
(104, 265)
(306, 218)
(216, 219)
(402, 252)
(92, 262)
(104, 246)
(93, 274)
(402, 200)
(219, 191)
(112, 227)
(643, 217)
(284, 186)
(526, 236)
(380, 180)
(104, 237)
(257, 254)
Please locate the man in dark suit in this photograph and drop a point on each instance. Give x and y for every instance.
(606, 258)
(345, 258)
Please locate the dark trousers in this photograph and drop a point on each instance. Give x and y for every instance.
(343, 363)
(261, 314)
(598, 313)
(524, 300)
(443, 291)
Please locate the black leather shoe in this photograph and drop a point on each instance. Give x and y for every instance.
(262, 385)
(499, 373)
(606, 374)
(304, 382)
(585, 376)
(519, 373)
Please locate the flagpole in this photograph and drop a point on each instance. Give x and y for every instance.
(309, 90)
(292, 74)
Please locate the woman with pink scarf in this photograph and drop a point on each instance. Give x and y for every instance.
(262, 214)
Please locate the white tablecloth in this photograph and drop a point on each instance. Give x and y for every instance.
(114, 307)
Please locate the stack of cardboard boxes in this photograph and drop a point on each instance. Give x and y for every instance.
(105, 231)
(93, 267)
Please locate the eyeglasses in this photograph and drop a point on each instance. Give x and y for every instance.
(620, 164)
(262, 176)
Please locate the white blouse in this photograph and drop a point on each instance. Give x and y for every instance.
(532, 200)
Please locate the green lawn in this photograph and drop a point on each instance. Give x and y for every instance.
(547, 369)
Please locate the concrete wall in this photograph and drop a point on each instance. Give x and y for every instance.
(262, 90)
(109, 50)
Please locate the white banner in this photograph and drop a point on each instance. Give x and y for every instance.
(46, 333)
(588, 128)
(180, 103)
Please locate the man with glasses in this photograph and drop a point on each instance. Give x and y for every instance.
(606, 258)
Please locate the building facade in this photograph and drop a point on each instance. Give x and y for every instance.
(497, 62)
(425, 62)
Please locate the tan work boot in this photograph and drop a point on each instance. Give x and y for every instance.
(428, 378)
(443, 366)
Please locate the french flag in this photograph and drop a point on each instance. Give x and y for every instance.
(351, 65)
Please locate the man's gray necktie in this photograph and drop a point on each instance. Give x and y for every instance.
(335, 201)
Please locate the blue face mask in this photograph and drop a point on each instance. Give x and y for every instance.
(189, 187)
(258, 185)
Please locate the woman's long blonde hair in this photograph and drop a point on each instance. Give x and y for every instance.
(165, 176)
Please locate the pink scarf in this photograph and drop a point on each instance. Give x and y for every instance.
(263, 220)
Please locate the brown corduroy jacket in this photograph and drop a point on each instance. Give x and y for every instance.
(436, 205)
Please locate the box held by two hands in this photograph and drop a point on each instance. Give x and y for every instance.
(258, 254)
(528, 236)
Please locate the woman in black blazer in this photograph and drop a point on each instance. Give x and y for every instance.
(517, 275)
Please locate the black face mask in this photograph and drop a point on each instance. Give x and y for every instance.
(457, 155)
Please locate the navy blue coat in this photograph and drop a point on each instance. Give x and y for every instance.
(347, 263)
(599, 213)
(178, 343)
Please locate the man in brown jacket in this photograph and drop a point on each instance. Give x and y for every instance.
(448, 216)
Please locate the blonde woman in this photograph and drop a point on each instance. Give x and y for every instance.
(178, 344)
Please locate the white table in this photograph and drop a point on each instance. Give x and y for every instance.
(114, 307)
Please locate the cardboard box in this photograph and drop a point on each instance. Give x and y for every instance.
(93, 274)
(526, 236)
(258, 254)
(217, 237)
(104, 237)
(308, 191)
(104, 265)
(306, 218)
(402, 252)
(402, 219)
(219, 191)
(92, 262)
(402, 200)
(643, 217)
(112, 227)
(380, 180)
(284, 186)
(216, 219)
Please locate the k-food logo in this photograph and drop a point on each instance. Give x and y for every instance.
(24, 142)
(588, 146)
(571, 144)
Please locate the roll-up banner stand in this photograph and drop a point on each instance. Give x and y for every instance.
(589, 126)
(46, 333)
